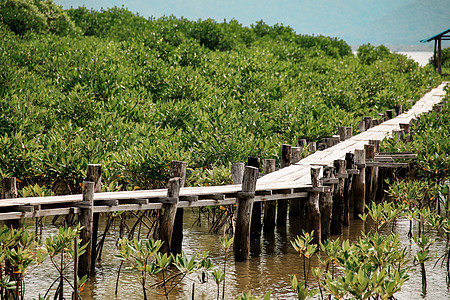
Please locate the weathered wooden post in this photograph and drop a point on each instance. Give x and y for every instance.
(398, 109)
(370, 157)
(375, 172)
(296, 154)
(359, 184)
(326, 202)
(361, 126)
(243, 221)
(335, 139)
(178, 169)
(270, 207)
(256, 226)
(312, 147)
(9, 191)
(314, 208)
(342, 131)
(337, 218)
(349, 132)
(350, 163)
(389, 114)
(237, 172)
(86, 218)
(283, 204)
(168, 212)
(295, 204)
(94, 174)
(368, 122)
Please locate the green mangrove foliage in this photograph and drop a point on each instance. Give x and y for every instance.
(426, 198)
(162, 272)
(20, 249)
(81, 86)
(373, 267)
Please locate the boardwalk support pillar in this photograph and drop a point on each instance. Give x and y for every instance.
(256, 226)
(244, 210)
(326, 203)
(86, 218)
(286, 153)
(270, 207)
(370, 173)
(350, 161)
(178, 169)
(168, 212)
(359, 184)
(94, 174)
(337, 218)
(313, 207)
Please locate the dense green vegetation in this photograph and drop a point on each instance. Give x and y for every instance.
(131, 93)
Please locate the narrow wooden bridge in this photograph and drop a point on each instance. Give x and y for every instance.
(341, 160)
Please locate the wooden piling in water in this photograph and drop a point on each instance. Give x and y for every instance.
(256, 226)
(295, 204)
(85, 266)
(178, 169)
(283, 204)
(243, 222)
(314, 217)
(168, 213)
(370, 157)
(349, 164)
(94, 174)
(326, 203)
(375, 172)
(270, 207)
(337, 218)
(359, 184)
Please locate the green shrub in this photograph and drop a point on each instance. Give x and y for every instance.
(368, 53)
(22, 16)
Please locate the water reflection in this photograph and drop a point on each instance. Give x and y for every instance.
(273, 260)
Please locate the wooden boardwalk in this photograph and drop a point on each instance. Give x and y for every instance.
(288, 183)
(298, 174)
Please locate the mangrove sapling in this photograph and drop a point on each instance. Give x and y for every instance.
(141, 254)
(300, 288)
(302, 244)
(442, 223)
(18, 249)
(374, 266)
(219, 277)
(61, 250)
(422, 255)
(226, 243)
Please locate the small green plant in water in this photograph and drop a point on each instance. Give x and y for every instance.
(302, 244)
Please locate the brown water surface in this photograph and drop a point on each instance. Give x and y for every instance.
(273, 260)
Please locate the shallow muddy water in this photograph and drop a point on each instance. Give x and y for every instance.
(273, 260)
